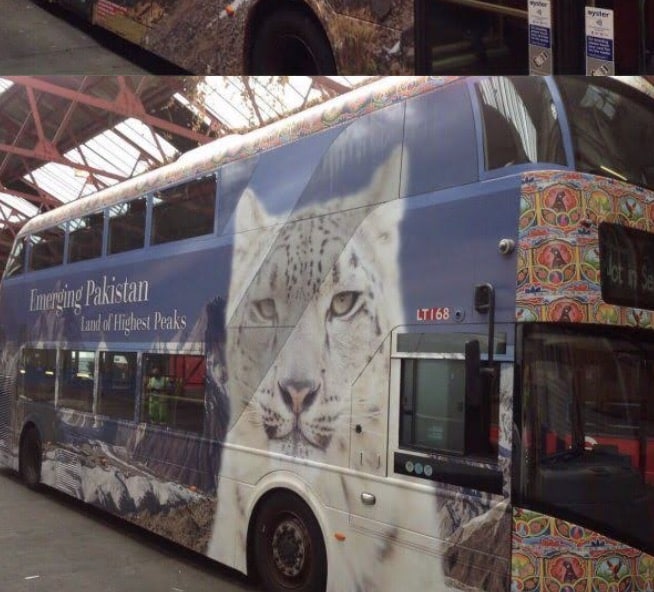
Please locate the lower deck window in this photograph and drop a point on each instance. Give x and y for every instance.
(36, 375)
(173, 391)
(78, 371)
(117, 385)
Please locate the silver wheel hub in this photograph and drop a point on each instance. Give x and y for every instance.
(289, 548)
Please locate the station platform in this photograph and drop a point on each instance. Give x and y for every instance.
(37, 39)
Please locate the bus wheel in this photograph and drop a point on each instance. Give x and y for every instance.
(290, 42)
(289, 550)
(30, 457)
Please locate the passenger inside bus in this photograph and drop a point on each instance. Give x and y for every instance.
(156, 395)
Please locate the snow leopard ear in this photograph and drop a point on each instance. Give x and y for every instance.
(254, 232)
(250, 214)
(385, 183)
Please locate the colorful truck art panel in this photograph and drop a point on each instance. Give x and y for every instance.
(558, 259)
(558, 277)
(552, 555)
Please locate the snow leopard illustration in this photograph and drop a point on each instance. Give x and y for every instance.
(313, 298)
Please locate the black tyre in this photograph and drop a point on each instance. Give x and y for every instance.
(291, 42)
(30, 458)
(289, 550)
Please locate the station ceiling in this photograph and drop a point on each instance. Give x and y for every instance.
(65, 137)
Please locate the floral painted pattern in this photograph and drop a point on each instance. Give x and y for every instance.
(558, 271)
(552, 555)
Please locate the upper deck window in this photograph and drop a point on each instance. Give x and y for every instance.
(184, 211)
(47, 248)
(85, 238)
(520, 121)
(127, 226)
(612, 128)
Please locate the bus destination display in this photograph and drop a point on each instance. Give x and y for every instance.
(626, 266)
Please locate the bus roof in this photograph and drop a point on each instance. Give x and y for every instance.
(207, 158)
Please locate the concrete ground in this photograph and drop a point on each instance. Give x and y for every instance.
(38, 39)
(50, 542)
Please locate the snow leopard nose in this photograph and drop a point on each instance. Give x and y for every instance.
(298, 395)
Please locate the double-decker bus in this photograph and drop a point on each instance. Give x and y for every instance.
(365, 37)
(402, 340)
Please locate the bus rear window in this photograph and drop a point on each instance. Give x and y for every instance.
(521, 124)
(47, 248)
(184, 211)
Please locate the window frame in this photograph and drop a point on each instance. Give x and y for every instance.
(472, 470)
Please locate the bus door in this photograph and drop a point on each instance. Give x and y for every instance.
(443, 447)
(471, 36)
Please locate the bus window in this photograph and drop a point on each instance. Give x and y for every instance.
(78, 370)
(36, 375)
(174, 391)
(184, 211)
(127, 226)
(587, 436)
(520, 122)
(85, 238)
(16, 262)
(433, 393)
(459, 36)
(47, 248)
(117, 384)
(433, 414)
(610, 124)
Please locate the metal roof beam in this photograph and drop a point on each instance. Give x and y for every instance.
(46, 152)
(126, 104)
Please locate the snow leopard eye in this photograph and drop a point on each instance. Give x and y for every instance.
(343, 303)
(265, 309)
